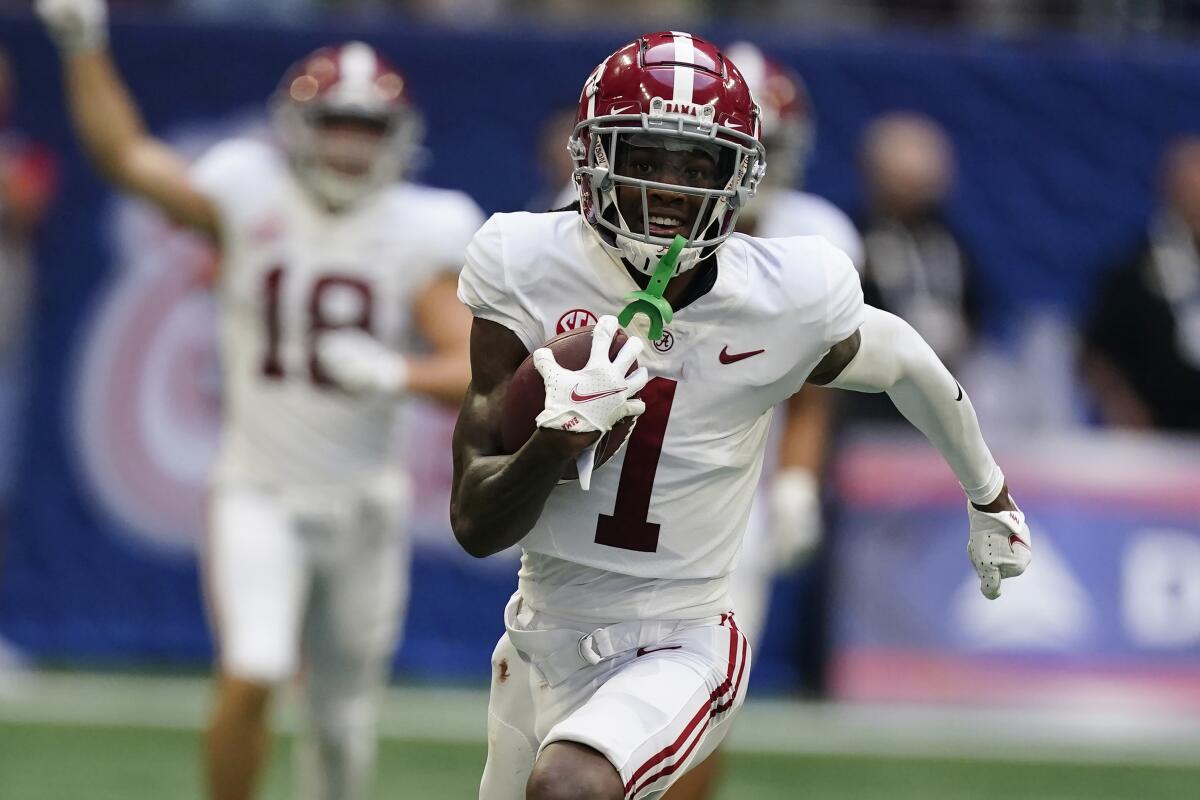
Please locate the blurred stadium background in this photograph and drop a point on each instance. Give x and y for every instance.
(883, 673)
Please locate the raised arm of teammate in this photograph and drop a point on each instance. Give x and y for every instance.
(108, 122)
(886, 355)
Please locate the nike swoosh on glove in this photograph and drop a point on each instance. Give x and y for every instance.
(358, 362)
(76, 25)
(999, 546)
(598, 396)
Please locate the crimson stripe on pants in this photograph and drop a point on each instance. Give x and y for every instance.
(706, 711)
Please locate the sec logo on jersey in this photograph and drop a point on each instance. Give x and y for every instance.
(575, 318)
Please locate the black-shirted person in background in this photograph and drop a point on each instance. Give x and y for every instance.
(1142, 339)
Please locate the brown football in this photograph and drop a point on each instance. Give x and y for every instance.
(526, 395)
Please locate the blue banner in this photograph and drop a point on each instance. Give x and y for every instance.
(1107, 615)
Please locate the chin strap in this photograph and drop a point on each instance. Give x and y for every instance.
(650, 301)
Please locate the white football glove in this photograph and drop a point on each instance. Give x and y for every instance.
(360, 363)
(77, 26)
(598, 396)
(999, 547)
(795, 507)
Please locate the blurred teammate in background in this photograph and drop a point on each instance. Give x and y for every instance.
(915, 265)
(327, 264)
(622, 666)
(1142, 357)
(785, 522)
(28, 176)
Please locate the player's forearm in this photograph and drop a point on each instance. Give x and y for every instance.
(105, 118)
(805, 435)
(498, 499)
(443, 378)
(893, 358)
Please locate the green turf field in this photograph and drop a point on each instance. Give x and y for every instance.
(136, 737)
(55, 762)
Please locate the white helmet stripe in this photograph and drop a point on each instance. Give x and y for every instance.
(357, 68)
(592, 87)
(685, 53)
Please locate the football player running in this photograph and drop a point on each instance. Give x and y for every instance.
(622, 664)
(328, 262)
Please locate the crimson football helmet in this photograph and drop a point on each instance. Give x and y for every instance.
(676, 91)
(787, 115)
(346, 121)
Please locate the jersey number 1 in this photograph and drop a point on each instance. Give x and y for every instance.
(273, 290)
(629, 526)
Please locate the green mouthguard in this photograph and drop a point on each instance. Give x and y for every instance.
(649, 301)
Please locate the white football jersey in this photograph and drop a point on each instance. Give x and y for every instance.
(290, 271)
(660, 529)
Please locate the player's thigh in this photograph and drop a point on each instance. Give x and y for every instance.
(666, 710)
(256, 576)
(354, 615)
(512, 742)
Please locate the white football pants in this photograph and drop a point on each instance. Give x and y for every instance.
(312, 583)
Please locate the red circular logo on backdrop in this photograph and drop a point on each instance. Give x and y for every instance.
(147, 387)
(575, 318)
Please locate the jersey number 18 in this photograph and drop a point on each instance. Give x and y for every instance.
(318, 322)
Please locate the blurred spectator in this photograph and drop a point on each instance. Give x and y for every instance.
(27, 180)
(915, 265)
(1142, 355)
(554, 162)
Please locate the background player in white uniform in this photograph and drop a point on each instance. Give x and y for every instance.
(621, 665)
(327, 263)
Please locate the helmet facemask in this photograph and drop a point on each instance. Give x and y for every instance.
(602, 146)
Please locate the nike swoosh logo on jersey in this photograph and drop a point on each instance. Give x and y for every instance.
(959, 385)
(586, 398)
(1014, 539)
(642, 651)
(731, 358)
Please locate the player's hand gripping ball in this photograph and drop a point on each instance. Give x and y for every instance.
(574, 363)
